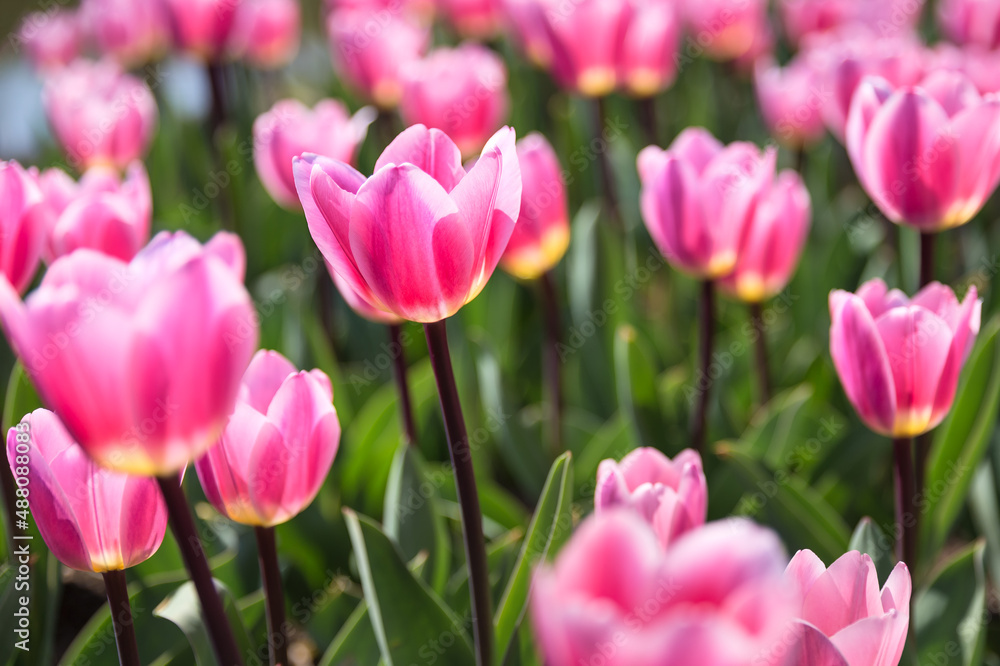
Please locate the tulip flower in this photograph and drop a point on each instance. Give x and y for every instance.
(421, 237)
(928, 155)
(647, 63)
(670, 495)
(541, 235)
(475, 19)
(971, 22)
(99, 114)
(51, 39)
(844, 619)
(266, 32)
(728, 29)
(899, 359)
(201, 27)
(979, 65)
(370, 49)
(278, 446)
(290, 129)
(107, 214)
(141, 360)
(526, 22)
(22, 225)
(132, 32)
(615, 597)
(802, 18)
(461, 91)
(791, 101)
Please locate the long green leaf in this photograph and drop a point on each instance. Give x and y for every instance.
(950, 613)
(183, 608)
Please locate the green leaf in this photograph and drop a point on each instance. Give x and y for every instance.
(410, 516)
(963, 439)
(986, 515)
(950, 613)
(551, 522)
(405, 614)
(869, 538)
(183, 608)
(21, 397)
(636, 382)
(581, 262)
(8, 605)
(356, 644)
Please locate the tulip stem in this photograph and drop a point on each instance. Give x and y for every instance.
(647, 115)
(707, 332)
(801, 160)
(926, 258)
(604, 160)
(116, 587)
(763, 372)
(274, 595)
(182, 525)
(465, 485)
(402, 384)
(217, 80)
(553, 372)
(907, 510)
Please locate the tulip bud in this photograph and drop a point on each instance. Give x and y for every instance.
(201, 27)
(92, 519)
(23, 220)
(266, 32)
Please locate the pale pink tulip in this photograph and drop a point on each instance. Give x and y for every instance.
(889, 18)
(979, 65)
(142, 360)
(266, 33)
(698, 198)
(134, 32)
(201, 27)
(461, 91)
(614, 597)
(100, 114)
(92, 519)
(290, 129)
(475, 19)
(541, 235)
(928, 155)
(899, 359)
(670, 495)
(791, 100)
(50, 39)
(728, 29)
(278, 446)
(971, 21)
(23, 221)
(421, 237)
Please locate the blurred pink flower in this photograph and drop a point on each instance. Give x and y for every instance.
(971, 22)
(899, 359)
(979, 65)
(51, 39)
(23, 221)
(133, 32)
(728, 29)
(889, 18)
(474, 19)
(791, 100)
(266, 33)
(201, 27)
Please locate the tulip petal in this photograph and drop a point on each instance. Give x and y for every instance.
(804, 570)
(844, 594)
(976, 132)
(696, 146)
(143, 519)
(964, 321)
(813, 648)
(430, 150)
(264, 376)
(873, 641)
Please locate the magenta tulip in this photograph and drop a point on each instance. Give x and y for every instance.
(791, 100)
(670, 495)
(142, 360)
(201, 27)
(475, 19)
(92, 519)
(845, 620)
(714, 598)
(928, 155)
(772, 242)
(369, 50)
(698, 197)
(899, 359)
(802, 18)
(461, 91)
(266, 33)
(50, 39)
(541, 235)
(290, 129)
(23, 221)
(131, 31)
(99, 114)
(727, 29)
(421, 237)
(971, 22)
(278, 446)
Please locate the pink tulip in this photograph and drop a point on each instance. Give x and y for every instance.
(698, 197)
(928, 155)
(979, 65)
(370, 49)
(475, 19)
(772, 243)
(899, 359)
(526, 22)
(92, 519)
(889, 18)
(360, 306)
(278, 446)
(461, 91)
(845, 620)
(541, 235)
(971, 22)
(99, 114)
(22, 225)
(648, 63)
(201, 27)
(51, 39)
(142, 360)
(266, 32)
(727, 29)
(290, 129)
(614, 597)
(421, 237)
(670, 495)
(131, 31)
(791, 101)
(108, 214)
